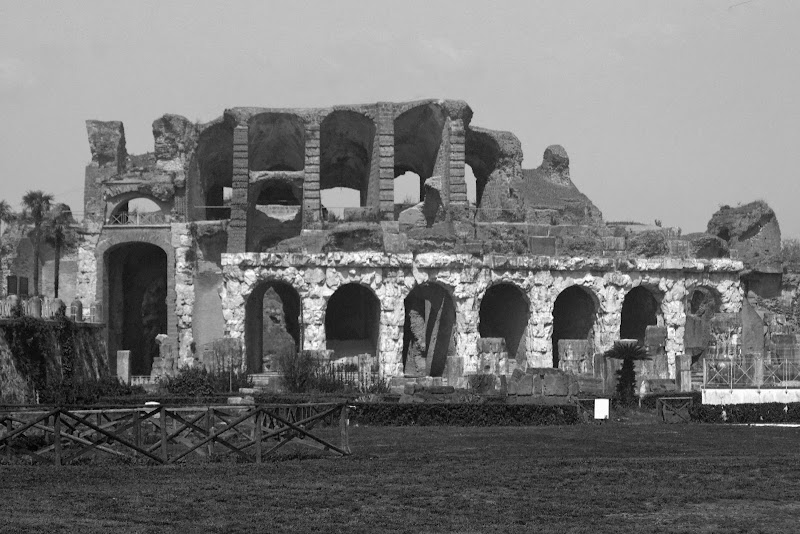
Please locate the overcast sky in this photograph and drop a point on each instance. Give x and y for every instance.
(667, 109)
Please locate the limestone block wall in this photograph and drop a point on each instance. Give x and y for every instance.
(466, 278)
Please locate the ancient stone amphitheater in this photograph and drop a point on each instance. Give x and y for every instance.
(240, 249)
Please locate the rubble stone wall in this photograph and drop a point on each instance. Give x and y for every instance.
(392, 276)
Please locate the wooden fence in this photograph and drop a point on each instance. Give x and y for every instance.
(166, 435)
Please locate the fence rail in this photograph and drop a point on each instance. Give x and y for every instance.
(139, 219)
(163, 435)
(751, 372)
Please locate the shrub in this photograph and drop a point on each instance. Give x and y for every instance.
(87, 391)
(198, 382)
(649, 244)
(771, 412)
(488, 414)
(628, 352)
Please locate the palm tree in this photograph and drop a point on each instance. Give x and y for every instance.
(629, 352)
(58, 232)
(6, 213)
(36, 204)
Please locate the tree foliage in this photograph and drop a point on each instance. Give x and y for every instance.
(629, 352)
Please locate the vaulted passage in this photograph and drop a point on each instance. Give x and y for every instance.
(428, 333)
(504, 313)
(275, 212)
(137, 277)
(347, 158)
(215, 167)
(574, 315)
(352, 321)
(482, 154)
(417, 138)
(276, 142)
(272, 326)
(639, 310)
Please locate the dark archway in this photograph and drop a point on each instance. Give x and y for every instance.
(417, 139)
(272, 326)
(214, 156)
(504, 312)
(482, 154)
(276, 142)
(702, 304)
(347, 159)
(137, 277)
(639, 310)
(574, 315)
(353, 321)
(428, 332)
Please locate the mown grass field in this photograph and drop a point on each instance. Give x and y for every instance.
(586, 478)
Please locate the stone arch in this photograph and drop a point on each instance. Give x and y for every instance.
(137, 301)
(417, 138)
(276, 142)
(273, 313)
(574, 318)
(429, 330)
(112, 253)
(118, 214)
(275, 212)
(702, 303)
(214, 168)
(504, 312)
(640, 309)
(353, 321)
(347, 143)
(482, 154)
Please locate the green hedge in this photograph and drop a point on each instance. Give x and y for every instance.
(489, 414)
(772, 412)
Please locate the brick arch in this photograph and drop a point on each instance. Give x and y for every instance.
(575, 311)
(353, 320)
(292, 311)
(504, 310)
(429, 345)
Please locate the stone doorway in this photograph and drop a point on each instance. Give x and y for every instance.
(137, 307)
(640, 309)
(504, 313)
(574, 316)
(352, 321)
(272, 326)
(428, 333)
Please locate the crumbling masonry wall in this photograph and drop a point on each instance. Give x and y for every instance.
(392, 277)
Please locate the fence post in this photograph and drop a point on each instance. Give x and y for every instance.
(137, 431)
(57, 437)
(343, 424)
(257, 433)
(163, 417)
(9, 428)
(209, 427)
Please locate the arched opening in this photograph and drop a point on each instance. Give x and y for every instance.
(417, 139)
(408, 192)
(275, 213)
(352, 321)
(639, 310)
(428, 332)
(139, 211)
(471, 181)
(574, 315)
(215, 165)
(276, 142)
(347, 140)
(272, 326)
(137, 308)
(504, 313)
(337, 201)
(481, 153)
(702, 304)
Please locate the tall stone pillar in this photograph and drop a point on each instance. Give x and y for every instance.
(385, 134)
(458, 186)
(311, 196)
(237, 230)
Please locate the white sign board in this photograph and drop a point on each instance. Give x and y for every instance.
(601, 408)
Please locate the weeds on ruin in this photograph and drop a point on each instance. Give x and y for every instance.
(303, 373)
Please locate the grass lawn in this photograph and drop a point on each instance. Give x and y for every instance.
(586, 478)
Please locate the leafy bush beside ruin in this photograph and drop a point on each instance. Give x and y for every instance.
(648, 244)
(199, 382)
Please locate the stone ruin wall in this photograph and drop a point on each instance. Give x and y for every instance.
(392, 277)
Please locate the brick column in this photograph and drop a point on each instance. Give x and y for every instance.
(311, 196)
(385, 136)
(237, 229)
(458, 186)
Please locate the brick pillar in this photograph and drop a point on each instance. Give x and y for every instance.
(311, 196)
(458, 186)
(237, 229)
(385, 134)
